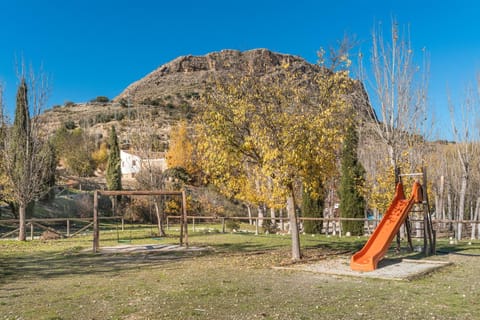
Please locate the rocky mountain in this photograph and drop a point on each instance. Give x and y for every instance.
(172, 92)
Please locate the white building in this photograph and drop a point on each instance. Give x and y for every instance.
(133, 163)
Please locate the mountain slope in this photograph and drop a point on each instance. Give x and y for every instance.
(172, 92)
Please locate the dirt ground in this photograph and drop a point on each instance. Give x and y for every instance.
(388, 269)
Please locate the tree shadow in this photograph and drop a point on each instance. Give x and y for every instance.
(48, 265)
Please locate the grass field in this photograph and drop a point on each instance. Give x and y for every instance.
(234, 279)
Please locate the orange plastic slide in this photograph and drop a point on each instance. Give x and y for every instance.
(379, 242)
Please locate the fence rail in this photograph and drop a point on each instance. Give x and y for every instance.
(62, 227)
(68, 227)
(333, 226)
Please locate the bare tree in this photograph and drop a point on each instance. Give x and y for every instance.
(150, 176)
(399, 88)
(464, 121)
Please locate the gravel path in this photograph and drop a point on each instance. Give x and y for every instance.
(405, 269)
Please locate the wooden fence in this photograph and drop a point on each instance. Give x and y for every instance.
(62, 227)
(333, 226)
(71, 227)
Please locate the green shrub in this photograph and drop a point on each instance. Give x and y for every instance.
(70, 124)
(101, 99)
(232, 224)
(269, 226)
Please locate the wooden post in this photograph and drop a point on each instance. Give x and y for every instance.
(397, 180)
(427, 218)
(181, 228)
(256, 226)
(168, 223)
(409, 231)
(184, 218)
(96, 233)
(123, 223)
(68, 228)
(223, 225)
(193, 224)
(31, 231)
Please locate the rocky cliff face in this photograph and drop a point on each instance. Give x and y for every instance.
(193, 73)
(172, 92)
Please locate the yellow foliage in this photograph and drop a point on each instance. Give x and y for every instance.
(173, 207)
(256, 140)
(380, 189)
(180, 152)
(6, 192)
(100, 156)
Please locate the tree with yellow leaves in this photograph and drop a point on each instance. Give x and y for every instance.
(277, 129)
(100, 156)
(180, 152)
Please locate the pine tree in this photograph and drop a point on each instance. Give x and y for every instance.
(312, 208)
(352, 203)
(114, 172)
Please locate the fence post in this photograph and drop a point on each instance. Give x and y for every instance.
(184, 218)
(193, 224)
(31, 231)
(168, 223)
(96, 233)
(68, 228)
(223, 225)
(256, 226)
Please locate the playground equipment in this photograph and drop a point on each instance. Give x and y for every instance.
(183, 219)
(377, 245)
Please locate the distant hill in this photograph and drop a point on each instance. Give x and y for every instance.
(172, 92)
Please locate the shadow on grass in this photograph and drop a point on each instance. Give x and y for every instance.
(58, 264)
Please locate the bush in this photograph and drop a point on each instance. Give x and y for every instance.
(101, 99)
(232, 224)
(138, 210)
(269, 226)
(70, 124)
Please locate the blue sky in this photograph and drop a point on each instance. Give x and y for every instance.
(98, 47)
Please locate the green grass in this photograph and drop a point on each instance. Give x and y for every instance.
(234, 280)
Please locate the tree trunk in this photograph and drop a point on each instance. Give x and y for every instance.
(260, 215)
(292, 217)
(161, 230)
(22, 234)
(282, 224)
(272, 215)
(441, 202)
(449, 210)
(475, 219)
(249, 210)
(461, 206)
(296, 254)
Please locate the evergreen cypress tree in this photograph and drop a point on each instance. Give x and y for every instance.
(352, 203)
(114, 171)
(312, 208)
(20, 150)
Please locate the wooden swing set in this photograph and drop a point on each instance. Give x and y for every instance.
(183, 216)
